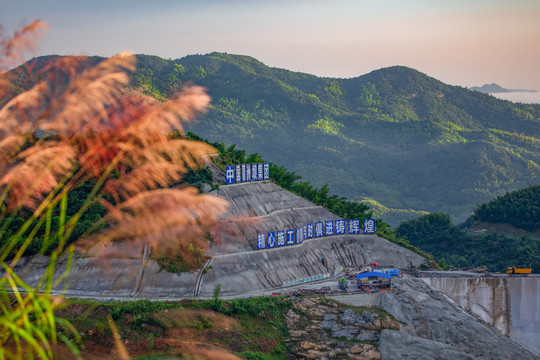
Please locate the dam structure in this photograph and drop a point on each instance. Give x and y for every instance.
(271, 208)
(510, 304)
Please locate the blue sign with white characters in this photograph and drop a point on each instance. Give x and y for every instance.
(229, 175)
(290, 237)
(260, 172)
(329, 227)
(261, 241)
(354, 226)
(369, 226)
(247, 173)
(340, 227)
(271, 239)
(244, 173)
(238, 176)
(281, 238)
(299, 234)
(309, 231)
(266, 171)
(319, 229)
(254, 172)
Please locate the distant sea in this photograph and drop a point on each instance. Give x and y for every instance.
(523, 97)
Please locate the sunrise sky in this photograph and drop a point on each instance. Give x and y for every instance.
(460, 42)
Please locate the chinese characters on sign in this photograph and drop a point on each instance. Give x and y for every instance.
(260, 175)
(254, 176)
(308, 231)
(281, 238)
(229, 175)
(300, 235)
(261, 241)
(340, 227)
(369, 226)
(290, 237)
(235, 174)
(266, 175)
(238, 174)
(271, 239)
(354, 226)
(319, 229)
(329, 227)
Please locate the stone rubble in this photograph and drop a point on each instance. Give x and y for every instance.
(321, 329)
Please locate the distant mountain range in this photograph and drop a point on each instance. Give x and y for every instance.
(394, 135)
(495, 89)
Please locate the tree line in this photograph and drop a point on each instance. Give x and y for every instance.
(520, 208)
(455, 247)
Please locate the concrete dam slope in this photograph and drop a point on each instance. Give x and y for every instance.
(512, 305)
(261, 207)
(233, 261)
(267, 207)
(260, 270)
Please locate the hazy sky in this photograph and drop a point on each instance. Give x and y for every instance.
(461, 42)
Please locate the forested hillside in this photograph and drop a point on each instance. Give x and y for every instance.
(394, 135)
(520, 208)
(437, 234)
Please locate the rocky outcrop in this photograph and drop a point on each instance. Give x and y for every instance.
(435, 327)
(320, 329)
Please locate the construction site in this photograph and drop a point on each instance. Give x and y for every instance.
(438, 314)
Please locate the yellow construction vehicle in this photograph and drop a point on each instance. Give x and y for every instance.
(512, 270)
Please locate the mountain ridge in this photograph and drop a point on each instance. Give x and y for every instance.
(366, 98)
(394, 135)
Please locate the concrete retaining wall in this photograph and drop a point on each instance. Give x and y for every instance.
(512, 305)
(271, 268)
(257, 207)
